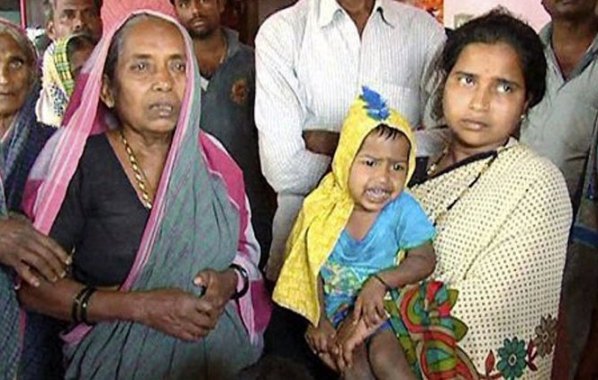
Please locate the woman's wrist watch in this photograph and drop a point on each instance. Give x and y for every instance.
(244, 276)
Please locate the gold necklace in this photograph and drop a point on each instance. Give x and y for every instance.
(139, 174)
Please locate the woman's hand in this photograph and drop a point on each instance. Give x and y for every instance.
(369, 305)
(320, 340)
(30, 253)
(219, 288)
(174, 312)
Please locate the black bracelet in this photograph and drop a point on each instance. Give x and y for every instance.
(83, 294)
(85, 304)
(76, 305)
(377, 277)
(243, 273)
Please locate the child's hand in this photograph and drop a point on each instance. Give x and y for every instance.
(320, 340)
(369, 305)
(345, 342)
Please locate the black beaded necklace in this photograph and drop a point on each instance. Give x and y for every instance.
(432, 170)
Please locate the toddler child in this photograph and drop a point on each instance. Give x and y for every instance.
(359, 235)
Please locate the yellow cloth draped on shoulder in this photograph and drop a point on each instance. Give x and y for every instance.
(327, 209)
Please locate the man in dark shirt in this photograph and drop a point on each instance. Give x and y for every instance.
(227, 69)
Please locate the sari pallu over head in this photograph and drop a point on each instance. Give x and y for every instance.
(200, 219)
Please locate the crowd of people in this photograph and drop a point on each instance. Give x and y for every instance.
(361, 197)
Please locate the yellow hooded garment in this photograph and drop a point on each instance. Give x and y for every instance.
(327, 209)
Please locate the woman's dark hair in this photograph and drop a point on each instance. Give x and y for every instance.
(496, 26)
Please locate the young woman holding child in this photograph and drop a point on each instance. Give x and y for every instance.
(502, 216)
(502, 212)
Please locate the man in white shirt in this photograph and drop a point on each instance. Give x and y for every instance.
(312, 60)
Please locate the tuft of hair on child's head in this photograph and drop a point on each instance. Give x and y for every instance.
(389, 133)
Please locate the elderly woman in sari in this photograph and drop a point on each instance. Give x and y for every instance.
(23, 251)
(164, 282)
(502, 212)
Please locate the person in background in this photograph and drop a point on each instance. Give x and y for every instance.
(564, 128)
(227, 69)
(23, 251)
(22, 138)
(584, 240)
(62, 62)
(31, 256)
(311, 61)
(66, 17)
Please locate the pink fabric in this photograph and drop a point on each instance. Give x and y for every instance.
(114, 11)
(256, 306)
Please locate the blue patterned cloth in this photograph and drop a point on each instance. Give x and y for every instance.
(25, 141)
(402, 225)
(9, 317)
(36, 356)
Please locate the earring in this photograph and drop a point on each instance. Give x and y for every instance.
(523, 117)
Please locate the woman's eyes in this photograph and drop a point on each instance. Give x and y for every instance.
(17, 63)
(139, 66)
(504, 87)
(179, 66)
(466, 80)
(398, 167)
(369, 162)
